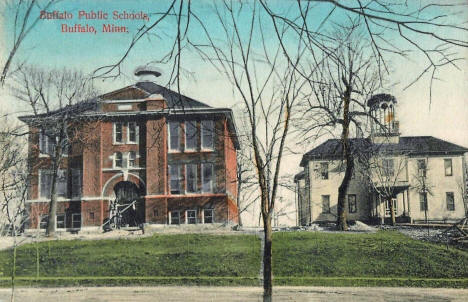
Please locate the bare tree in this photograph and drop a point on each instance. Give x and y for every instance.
(19, 15)
(55, 99)
(341, 84)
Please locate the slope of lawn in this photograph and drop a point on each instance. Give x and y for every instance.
(391, 257)
(299, 258)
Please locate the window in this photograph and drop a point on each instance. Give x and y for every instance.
(175, 217)
(91, 215)
(191, 172)
(60, 218)
(191, 135)
(324, 170)
(208, 216)
(77, 187)
(422, 168)
(352, 203)
(450, 201)
(46, 143)
(448, 167)
(423, 202)
(76, 220)
(118, 160)
(388, 167)
(118, 133)
(155, 212)
(45, 180)
(44, 219)
(191, 216)
(174, 176)
(174, 136)
(207, 178)
(207, 137)
(132, 159)
(387, 206)
(325, 204)
(132, 133)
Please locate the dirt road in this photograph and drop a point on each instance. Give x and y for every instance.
(233, 294)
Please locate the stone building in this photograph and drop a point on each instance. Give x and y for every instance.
(170, 158)
(423, 176)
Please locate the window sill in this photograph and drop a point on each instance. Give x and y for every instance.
(174, 151)
(207, 150)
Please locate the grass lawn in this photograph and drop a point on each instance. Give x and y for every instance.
(299, 258)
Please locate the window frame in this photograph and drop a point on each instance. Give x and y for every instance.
(179, 178)
(424, 202)
(203, 165)
(323, 203)
(324, 173)
(448, 160)
(195, 166)
(450, 206)
(114, 133)
(422, 171)
(352, 207)
(388, 165)
(169, 132)
(64, 221)
(171, 217)
(43, 172)
(73, 221)
(131, 161)
(115, 159)
(136, 130)
(194, 124)
(203, 129)
(204, 215)
(187, 221)
(73, 192)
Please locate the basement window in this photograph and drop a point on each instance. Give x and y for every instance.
(208, 216)
(175, 217)
(191, 216)
(60, 221)
(76, 220)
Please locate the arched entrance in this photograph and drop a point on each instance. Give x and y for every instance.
(130, 205)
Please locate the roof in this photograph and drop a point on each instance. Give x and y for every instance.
(409, 145)
(174, 99)
(299, 176)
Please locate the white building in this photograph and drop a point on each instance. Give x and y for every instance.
(425, 177)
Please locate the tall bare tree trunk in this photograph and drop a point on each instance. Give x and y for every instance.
(267, 260)
(342, 223)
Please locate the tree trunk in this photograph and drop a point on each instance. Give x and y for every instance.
(239, 219)
(341, 223)
(51, 221)
(392, 211)
(267, 255)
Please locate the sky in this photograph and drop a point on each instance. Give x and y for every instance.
(444, 115)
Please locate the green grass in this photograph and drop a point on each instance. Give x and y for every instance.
(384, 258)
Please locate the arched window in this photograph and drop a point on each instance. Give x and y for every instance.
(118, 161)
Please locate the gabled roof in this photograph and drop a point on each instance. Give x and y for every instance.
(409, 145)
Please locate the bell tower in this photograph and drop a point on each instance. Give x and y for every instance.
(384, 126)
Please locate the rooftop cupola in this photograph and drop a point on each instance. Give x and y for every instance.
(147, 73)
(384, 126)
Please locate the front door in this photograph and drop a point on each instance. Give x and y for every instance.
(129, 204)
(387, 207)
